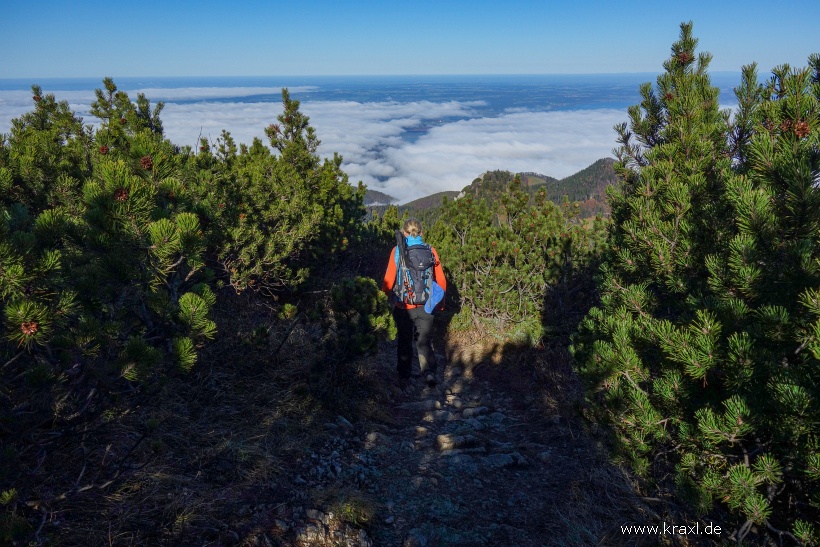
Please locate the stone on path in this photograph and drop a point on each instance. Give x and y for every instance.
(474, 411)
(439, 416)
(449, 442)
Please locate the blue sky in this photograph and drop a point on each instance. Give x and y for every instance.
(59, 38)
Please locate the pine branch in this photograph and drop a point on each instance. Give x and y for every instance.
(13, 359)
(782, 533)
(625, 374)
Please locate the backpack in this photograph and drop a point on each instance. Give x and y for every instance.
(414, 275)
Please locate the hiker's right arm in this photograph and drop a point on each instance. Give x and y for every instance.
(390, 274)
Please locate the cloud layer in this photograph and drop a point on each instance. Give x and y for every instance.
(405, 149)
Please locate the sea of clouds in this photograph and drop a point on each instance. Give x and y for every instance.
(405, 149)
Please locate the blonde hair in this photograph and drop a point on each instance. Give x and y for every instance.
(412, 226)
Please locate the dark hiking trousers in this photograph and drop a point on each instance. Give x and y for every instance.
(406, 321)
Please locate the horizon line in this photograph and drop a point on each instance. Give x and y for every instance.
(409, 75)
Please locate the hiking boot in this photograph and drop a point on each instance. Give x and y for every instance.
(430, 378)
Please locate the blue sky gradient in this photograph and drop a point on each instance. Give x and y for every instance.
(59, 38)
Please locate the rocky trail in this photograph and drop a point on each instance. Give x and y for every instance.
(474, 460)
(495, 454)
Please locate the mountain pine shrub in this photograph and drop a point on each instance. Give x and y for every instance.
(280, 213)
(45, 156)
(112, 241)
(501, 259)
(356, 319)
(703, 354)
(102, 262)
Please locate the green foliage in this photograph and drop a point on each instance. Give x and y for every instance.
(102, 257)
(703, 354)
(121, 118)
(278, 216)
(361, 316)
(587, 187)
(113, 242)
(47, 152)
(357, 317)
(500, 259)
(8, 496)
(383, 228)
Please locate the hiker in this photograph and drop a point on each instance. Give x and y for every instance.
(415, 283)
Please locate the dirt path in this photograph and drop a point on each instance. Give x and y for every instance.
(247, 451)
(475, 460)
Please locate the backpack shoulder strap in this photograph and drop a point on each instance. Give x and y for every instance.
(401, 248)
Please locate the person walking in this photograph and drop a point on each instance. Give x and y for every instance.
(415, 283)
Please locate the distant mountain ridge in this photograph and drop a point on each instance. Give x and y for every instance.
(374, 197)
(588, 187)
(431, 201)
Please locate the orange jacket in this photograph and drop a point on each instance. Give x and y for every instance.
(390, 278)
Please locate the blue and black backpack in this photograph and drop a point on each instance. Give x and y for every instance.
(414, 274)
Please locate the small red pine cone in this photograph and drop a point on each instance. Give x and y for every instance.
(241, 216)
(29, 328)
(785, 125)
(37, 99)
(668, 96)
(146, 163)
(123, 121)
(221, 205)
(801, 129)
(121, 194)
(103, 150)
(203, 148)
(684, 57)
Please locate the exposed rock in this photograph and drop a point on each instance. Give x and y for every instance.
(474, 411)
(341, 421)
(425, 476)
(374, 439)
(448, 442)
(475, 424)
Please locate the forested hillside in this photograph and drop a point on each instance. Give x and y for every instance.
(374, 198)
(584, 191)
(196, 350)
(587, 187)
